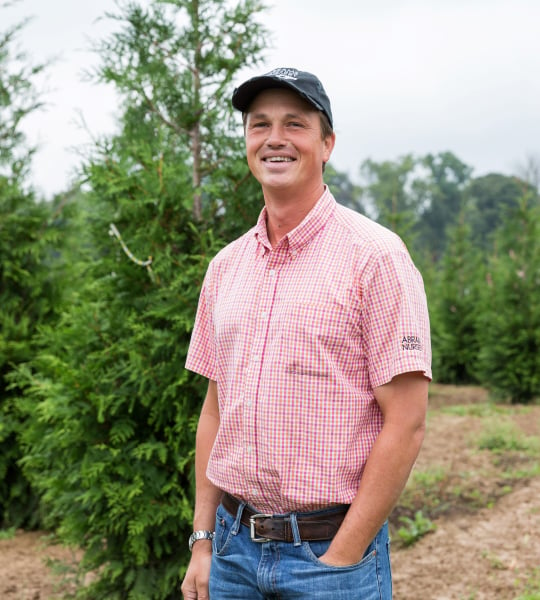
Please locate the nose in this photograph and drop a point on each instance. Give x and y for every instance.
(275, 136)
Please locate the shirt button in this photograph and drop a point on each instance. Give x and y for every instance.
(272, 272)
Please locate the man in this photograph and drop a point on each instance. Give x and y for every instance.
(312, 329)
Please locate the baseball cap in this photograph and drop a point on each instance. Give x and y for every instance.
(303, 83)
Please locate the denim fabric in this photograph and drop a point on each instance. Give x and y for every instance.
(245, 570)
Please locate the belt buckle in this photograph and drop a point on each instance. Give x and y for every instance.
(253, 522)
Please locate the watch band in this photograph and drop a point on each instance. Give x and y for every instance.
(201, 534)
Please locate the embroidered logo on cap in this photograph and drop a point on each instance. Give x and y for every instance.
(284, 74)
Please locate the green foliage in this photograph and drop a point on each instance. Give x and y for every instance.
(112, 411)
(491, 200)
(455, 308)
(386, 194)
(344, 190)
(110, 444)
(510, 320)
(532, 587)
(29, 278)
(441, 194)
(502, 436)
(18, 98)
(7, 534)
(176, 81)
(414, 529)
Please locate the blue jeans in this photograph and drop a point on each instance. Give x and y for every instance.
(247, 570)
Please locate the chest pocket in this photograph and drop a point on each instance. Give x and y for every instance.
(317, 339)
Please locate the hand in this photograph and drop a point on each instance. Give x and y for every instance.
(195, 584)
(332, 559)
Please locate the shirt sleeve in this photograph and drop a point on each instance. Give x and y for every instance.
(201, 357)
(395, 320)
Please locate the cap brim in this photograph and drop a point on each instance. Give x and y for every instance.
(244, 95)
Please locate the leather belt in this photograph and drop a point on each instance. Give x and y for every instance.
(264, 527)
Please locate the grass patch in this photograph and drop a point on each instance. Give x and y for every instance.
(7, 534)
(505, 436)
(482, 410)
(531, 590)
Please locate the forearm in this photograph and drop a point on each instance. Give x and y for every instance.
(383, 480)
(207, 498)
(403, 403)
(207, 495)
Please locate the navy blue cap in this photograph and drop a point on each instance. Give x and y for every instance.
(304, 84)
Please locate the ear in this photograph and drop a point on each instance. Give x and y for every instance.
(328, 145)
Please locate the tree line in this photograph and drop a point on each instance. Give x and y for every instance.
(99, 286)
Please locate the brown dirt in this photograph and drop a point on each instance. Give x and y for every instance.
(27, 569)
(486, 552)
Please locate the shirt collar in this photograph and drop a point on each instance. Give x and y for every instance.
(303, 233)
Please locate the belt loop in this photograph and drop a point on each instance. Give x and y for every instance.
(237, 522)
(295, 532)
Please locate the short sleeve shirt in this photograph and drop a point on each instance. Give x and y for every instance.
(297, 337)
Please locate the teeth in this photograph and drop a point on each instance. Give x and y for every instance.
(279, 159)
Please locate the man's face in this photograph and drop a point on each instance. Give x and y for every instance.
(284, 147)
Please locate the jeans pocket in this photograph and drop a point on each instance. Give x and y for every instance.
(223, 530)
(314, 550)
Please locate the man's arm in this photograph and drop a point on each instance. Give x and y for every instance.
(403, 402)
(207, 498)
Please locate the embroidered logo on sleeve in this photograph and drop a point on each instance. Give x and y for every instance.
(411, 342)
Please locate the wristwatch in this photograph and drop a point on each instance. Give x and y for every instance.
(201, 534)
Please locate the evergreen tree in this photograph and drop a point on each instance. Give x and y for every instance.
(111, 442)
(29, 287)
(510, 319)
(455, 307)
(491, 200)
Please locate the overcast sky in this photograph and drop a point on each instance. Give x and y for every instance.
(403, 76)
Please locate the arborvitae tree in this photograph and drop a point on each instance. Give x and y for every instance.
(29, 288)
(509, 332)
(454, 308)
(111, 443)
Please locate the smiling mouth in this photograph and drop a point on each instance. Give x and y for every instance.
(278, 159)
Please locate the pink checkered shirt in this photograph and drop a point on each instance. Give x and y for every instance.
(296, 338)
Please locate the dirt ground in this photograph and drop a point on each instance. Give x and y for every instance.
(491, 553)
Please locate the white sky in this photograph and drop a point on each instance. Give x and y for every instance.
(403, 76)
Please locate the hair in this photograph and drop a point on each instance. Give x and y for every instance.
(326, 128)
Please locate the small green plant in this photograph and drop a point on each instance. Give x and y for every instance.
(413, 529)
(484, 409)
(7, 534)
(532, 587)
(503, 437)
